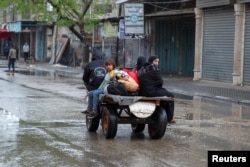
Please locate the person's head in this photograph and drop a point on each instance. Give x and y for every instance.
(96, 54)
(110, 64)
(140, 61)
(154, 60)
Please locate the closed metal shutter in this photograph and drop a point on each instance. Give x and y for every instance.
(246, 67)
(218, 45)
(243, 1)
(210, 3)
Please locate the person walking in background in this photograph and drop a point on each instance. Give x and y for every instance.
(26, 51)
(94, 72)
(12, 60)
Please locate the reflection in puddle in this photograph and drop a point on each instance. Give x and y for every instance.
(7, 119)
(56, 123)
(182, 96)
(42, 73)
(9, 126)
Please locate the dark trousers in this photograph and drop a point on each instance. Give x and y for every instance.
(11, 64)
(160, 91)
(26, 55)
(6, 55)
(169, 107)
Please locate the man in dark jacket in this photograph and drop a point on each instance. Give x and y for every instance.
(94, 72)
(151, 84)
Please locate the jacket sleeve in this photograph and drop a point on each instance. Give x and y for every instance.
(86, 74)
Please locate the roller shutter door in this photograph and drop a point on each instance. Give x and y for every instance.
(246, 67)
(218, 45)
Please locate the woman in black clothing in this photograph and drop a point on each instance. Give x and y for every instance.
(151, 84)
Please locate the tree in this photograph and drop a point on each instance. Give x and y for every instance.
(77, 15)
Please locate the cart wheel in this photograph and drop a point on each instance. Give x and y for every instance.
(157, 128)
(109, 122)
(138, 128)
(92, 123)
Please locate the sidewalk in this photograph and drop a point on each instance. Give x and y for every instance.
(186, 86)
(208, 89)
(177, 85)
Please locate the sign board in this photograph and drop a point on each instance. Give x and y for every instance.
(134, 18)
(15, 26)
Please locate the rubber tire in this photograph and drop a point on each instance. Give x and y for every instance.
(138, 128)
(92, 124)
(157, 129)
(109, 122)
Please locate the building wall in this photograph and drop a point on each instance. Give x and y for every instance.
(225, 34)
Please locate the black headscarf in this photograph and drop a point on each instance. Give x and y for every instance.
(152, 58)
(140, 61)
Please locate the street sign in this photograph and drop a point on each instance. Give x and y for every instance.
(134, 18)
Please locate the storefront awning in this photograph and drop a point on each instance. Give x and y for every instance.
(4, 34)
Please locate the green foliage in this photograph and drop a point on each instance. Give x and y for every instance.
(64, 13)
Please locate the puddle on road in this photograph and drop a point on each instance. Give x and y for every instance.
(34, 72)
(199, 112)
(182, 96)
(42, 73)
(7, 119)
(57, 124)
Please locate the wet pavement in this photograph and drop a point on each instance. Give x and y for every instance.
(178, 85)
(41, 123)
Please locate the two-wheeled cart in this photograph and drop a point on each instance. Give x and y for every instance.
(135, 110)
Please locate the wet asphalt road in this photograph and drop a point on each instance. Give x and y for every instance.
(46, 128)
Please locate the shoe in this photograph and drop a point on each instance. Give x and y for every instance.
(173, 121)
(85, 112)
(92, 114)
